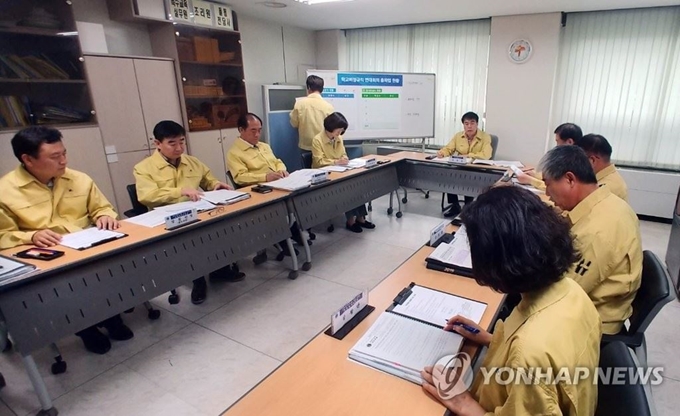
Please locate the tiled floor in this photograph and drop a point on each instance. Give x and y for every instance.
(198, 360)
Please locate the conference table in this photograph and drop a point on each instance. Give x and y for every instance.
(82, 288)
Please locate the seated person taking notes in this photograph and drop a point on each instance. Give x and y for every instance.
(599, 152)
(521, 246)
(328, 149)
(169, 176)
(471, 142)
(43, 199)
(606, 231)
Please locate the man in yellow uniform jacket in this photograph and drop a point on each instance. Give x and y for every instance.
(599, 152)
(309, 113)
(607, 234)
(472, 143)
(169, 176)
(43, 199)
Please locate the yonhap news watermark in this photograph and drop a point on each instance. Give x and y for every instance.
(451, 375)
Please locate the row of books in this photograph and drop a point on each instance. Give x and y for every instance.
(35, 67)
(18, 112)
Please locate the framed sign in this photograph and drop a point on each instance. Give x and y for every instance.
(200, 12)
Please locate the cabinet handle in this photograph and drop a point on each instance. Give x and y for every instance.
(81, 59)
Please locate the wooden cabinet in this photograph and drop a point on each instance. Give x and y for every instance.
(121, 166)
(211, 148)
(134, 10)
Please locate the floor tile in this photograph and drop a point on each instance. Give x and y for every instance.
(663, 340)
(6, 411)
(203, 368)
(666, 397)
(280, 316)
(82, 365)
(121, 391)
(655, 237)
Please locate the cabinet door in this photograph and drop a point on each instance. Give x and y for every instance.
(207, 147)
(85, 152)
(158, 92)
(7, 160)
(116, 99)
(121, 167)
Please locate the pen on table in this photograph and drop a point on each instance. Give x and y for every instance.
(468, 328)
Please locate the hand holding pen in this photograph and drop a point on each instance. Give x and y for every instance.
(468, 329)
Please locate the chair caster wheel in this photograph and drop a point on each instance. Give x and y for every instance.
(154, 314)
(399, 214)
(260, 258)
(330, 228)
(293, 275)
(370, 208)
(312, 236)
(389, 211)
(309, 242)
(8, 346)
(173, 299)
(59, 367)
(427, 195)
(405, 200)
(306, 266)
(280, 256)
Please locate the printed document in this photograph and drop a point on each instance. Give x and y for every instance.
(89, 237)
(437, 307)
(456, 253)
(224, 196)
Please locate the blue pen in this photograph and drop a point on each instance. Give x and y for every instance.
(468, 328)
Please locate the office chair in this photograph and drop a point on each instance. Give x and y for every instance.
(138, 209)
(621, 397)
(656, 290)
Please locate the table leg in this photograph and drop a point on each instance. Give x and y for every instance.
(39, 387)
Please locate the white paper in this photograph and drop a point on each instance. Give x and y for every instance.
(402, 346)
(150, 219)
(200, 205)
(456, 253)
(88, 238)
(438, 307)
(224, 196)
(499, 163)
(335, 168)
(357, 163)
(10, 268)
(528, 187)
(299, 179)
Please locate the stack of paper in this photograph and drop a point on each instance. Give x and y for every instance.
(499, 163)
(89, 237)
(356, 163)
(224, 196)
(150, 219)
(299, 179)
(335, 168)
(200, 205)
(455, 255)
(10, 268)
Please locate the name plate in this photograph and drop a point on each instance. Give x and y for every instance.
(438, 232)
(458, 160)
(348, 311)
(320, 177)
(370, 163)
(180, 219)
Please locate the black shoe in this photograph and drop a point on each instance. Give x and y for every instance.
(453, 211)
(94, 340)
(355, 228)
(227, 274)
(198, 292)
(117, 329)
(260, 257)
(366, 224)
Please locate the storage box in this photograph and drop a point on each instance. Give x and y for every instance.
(203, 48)
(185, 49)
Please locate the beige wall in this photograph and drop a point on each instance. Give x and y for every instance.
(519, 96)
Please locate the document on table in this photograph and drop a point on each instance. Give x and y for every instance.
(299, 179)
(357, 163)
(149, 219)
(499, 163)
(224, 196)
(10, 268)
(89, 237)
(200, 205)
(528, 187)
(335, 168)
(456, 253)
(437, 307)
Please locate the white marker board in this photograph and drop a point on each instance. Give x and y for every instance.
(381, 105)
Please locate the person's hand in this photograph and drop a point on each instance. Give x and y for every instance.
(284, 173)
(342, 161)
(462, 404)
(482, 337)
(107, 223)
(223, 185)
(192, 194)
(272, 176)
(525, 177)
(440, 153)
(46, 238)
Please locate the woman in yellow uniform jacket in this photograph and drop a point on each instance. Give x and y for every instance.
(327, 150)
(542, 360)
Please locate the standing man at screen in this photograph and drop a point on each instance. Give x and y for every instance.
(310, 112)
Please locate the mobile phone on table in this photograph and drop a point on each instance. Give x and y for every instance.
(39, 254)
(262, 189)
(430, 157)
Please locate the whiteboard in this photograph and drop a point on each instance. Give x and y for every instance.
(381, 105)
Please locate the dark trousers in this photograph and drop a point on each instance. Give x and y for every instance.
(359, 211)
(112, 321)
(453, 199)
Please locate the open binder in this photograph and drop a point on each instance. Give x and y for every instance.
(11, 268)
(409, 335)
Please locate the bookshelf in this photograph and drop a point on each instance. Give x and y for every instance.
(42, 77)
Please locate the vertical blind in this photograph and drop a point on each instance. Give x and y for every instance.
(619, 76)
(457, 52)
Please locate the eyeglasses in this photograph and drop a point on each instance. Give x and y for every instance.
(216, 211)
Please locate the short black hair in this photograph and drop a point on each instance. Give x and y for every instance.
(562, 159)
(28, 140)
(597, 145)
(470, 116)
(243, 120)
(518, 244)
(569, 131)
(315, 83)
(167, 129)
(335, 121)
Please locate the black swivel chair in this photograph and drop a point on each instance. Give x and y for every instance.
(621, 397)
(656, 290)
(138, 209)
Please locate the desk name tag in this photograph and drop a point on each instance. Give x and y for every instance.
(460, 160)
(438, 232)
(348, 311)
(320, 177)
(370, 163)
(180, 219)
